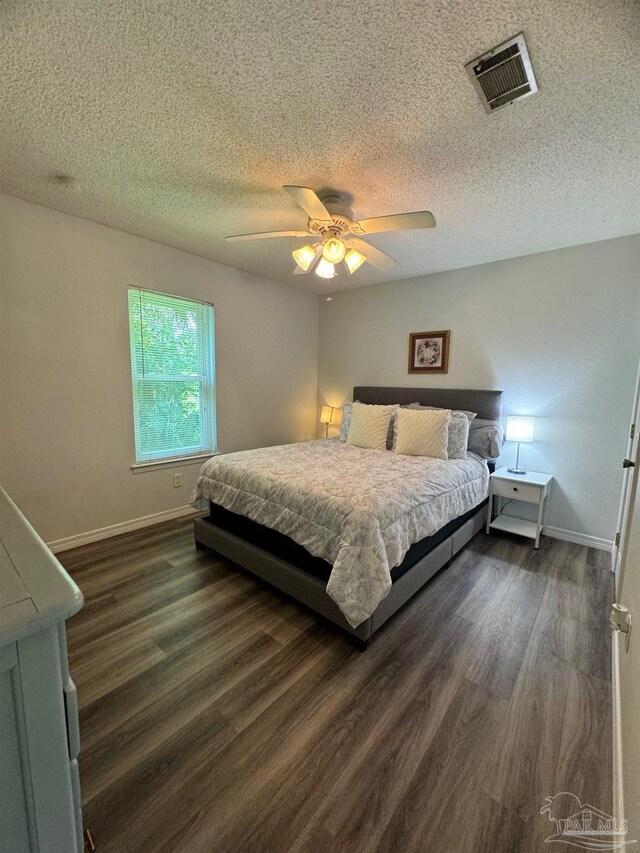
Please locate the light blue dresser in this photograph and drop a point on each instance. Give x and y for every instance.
(39, 734)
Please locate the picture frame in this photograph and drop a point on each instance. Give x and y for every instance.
(429, 352)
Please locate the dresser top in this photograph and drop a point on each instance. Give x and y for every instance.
(35, 590)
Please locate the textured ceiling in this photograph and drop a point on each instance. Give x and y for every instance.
(182, 120)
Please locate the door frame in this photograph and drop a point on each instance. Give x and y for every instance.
(629, 486)
(630, 496)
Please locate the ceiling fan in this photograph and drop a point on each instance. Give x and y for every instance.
(339, 234)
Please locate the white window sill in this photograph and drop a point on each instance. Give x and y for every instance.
(173, 462)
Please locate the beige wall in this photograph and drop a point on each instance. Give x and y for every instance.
(66, 423)
(558, 332)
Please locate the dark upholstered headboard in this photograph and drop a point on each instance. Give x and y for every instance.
(487, 404)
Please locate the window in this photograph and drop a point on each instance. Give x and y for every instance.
(172, 364)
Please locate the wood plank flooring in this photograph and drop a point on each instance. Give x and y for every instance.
(217, 715)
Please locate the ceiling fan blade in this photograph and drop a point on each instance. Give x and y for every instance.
(235, 238)
(309, 202)
(375, 257)
(398, 222)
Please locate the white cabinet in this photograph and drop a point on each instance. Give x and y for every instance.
(530, 487)
(39, 735)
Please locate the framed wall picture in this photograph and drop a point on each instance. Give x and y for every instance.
(429, 352)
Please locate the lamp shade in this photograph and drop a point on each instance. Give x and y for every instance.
(519, 429)
(325, 269)
(354, 259)
(326, 414)
(304, 257)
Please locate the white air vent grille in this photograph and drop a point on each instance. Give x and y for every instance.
(503, 75)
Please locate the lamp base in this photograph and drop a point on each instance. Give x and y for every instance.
(517, 470)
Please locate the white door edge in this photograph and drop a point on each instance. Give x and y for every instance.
(624, 508)
(618, 786)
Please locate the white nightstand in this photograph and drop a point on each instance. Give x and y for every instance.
(530, 487)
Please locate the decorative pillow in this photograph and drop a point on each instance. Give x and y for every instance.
(392, 435)
(458, 436)
(458, 429)
(423, 433)
(346, 421)
(485, 438)
(370, 426)
(393, 426)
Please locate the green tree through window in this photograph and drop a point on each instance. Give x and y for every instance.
(173, 375)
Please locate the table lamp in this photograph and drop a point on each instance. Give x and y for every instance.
(326, 418)
(519, 429)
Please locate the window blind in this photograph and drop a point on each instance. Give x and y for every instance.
(172, 366)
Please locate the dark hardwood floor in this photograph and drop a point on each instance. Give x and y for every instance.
(218, 716)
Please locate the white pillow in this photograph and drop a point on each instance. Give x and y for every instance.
(459, 426)
(370, 425)
(485, 438)
(345, 423)
(423, 432)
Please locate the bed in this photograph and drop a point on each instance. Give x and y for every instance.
(351, 533)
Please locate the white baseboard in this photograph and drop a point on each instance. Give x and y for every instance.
(578, 538)
(123, 527)
(169, 514)
(618, 792)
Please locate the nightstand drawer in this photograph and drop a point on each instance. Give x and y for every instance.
(519, 491)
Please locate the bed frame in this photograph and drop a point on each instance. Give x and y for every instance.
(310, 590)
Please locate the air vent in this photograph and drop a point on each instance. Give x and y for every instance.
(503, 75)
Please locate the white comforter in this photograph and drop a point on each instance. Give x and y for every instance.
(358, 509)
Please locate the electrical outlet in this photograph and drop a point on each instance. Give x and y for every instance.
(177, 481)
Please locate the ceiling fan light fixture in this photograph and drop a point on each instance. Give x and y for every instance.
(354, 260)
(334, 250)
(304, 257)
(330, 222)
(325, 269)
